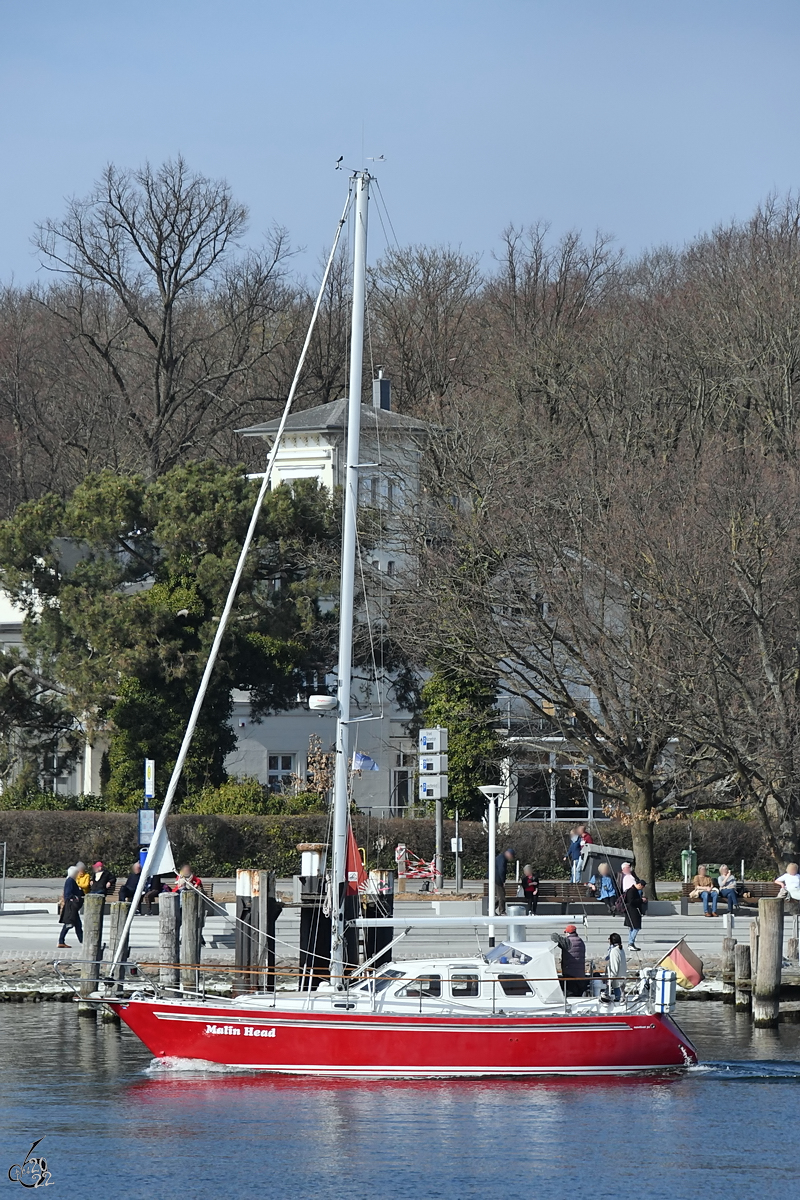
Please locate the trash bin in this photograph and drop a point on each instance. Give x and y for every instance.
(516, 933)
(688, 864)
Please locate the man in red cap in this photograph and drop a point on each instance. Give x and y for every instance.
(103, 882)
(573, 960)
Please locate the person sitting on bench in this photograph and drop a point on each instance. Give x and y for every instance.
(727, 887)
(704, 888)
(603, 887)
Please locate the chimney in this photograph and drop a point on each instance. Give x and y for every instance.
(382, 392)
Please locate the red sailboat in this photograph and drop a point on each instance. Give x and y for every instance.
(504, 1013)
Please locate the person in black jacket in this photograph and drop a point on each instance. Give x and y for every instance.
(573, 960)
(70, 916)
(128, 889)
(103, 883)
(500, 873)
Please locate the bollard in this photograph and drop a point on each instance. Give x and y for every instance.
(753, 947)
(770, 956)
(743, 985)
(791, 949)
(169, 924)
(92, 913)
(192, 905)
(728, 970)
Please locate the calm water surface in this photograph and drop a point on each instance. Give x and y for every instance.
(113, 1122)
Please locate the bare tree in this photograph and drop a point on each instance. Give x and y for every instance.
(171, 318)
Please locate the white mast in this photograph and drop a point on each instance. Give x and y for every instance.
(343, 740)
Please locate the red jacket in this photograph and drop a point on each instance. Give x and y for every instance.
(194, 880)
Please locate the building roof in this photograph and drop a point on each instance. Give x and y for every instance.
(333, 418)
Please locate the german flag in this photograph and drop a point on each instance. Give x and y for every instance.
(684, 962)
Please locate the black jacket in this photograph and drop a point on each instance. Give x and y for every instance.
(104, 886)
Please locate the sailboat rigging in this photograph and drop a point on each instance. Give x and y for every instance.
(503, 1014)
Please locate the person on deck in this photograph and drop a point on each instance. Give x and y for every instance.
(530, 889)
(500, 874)
(616, 970)
(103, 882)
(602, 887)
(70, 915)
(727, 887)
(573, 959)
(573, 856)
(704, 888)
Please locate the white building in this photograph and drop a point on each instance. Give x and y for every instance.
(313, 447)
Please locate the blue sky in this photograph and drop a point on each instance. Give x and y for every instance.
(648, 119)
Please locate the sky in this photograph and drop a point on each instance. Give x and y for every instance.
(652, 120)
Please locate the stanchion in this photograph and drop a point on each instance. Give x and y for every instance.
(117, 913)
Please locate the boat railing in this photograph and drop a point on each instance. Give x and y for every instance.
(140, 978)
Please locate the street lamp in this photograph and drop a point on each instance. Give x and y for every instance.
(492, 792)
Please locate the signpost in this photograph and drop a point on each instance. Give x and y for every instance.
(147, 818)
(433, 784)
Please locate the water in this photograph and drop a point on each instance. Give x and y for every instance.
(114, 1123)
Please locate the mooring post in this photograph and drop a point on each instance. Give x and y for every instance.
(269, 909)
(728, 970)
(117, 914)
(92, 914)
(753, 948)
(192, 903)
(770, 956)
(741, 955)
(169, 913)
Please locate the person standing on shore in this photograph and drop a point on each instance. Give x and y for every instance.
(70, 916)
(83, 878)
(530, 889)
(500, 873)
(573, 856)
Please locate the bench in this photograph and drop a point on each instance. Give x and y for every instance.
(749, 892)
(555, 896)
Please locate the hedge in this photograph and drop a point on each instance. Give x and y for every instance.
(44, 844)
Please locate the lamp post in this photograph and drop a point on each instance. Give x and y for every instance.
(492, 792)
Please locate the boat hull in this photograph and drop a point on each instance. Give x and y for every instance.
(374, 1045)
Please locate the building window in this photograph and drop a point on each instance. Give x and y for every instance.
(390, 567)
(281, 771)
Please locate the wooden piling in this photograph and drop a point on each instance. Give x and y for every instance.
(742, 982)
(169, 938)
(792, 949)
(269, 909)
(117, 915)
(753, 947)
(770, 955)
(728, 970)
(192, 904)
(92, 915)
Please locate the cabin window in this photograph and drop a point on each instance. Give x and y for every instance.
(515, 985)
(425, 985)
(463, 985)
(383, 980)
